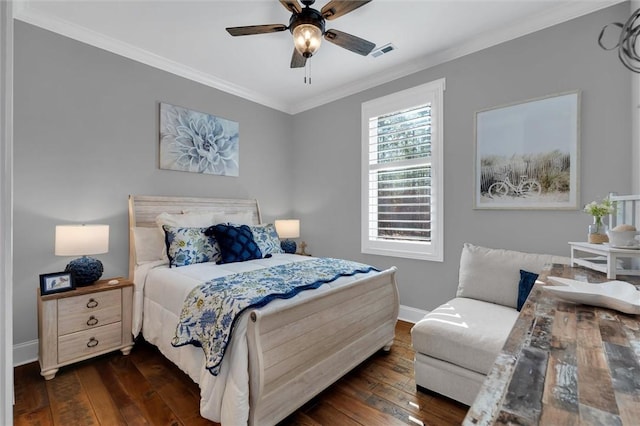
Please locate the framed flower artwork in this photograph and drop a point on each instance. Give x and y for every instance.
(197, 142)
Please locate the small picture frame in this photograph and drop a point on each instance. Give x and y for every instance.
(56, 282)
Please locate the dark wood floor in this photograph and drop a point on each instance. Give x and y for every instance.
(146, 389)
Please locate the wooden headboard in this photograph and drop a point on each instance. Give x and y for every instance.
(143, 210)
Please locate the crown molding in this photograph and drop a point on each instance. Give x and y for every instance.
(77, 32)
(557, 15)
(537, 22)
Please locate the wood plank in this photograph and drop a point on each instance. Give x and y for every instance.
(356, 385)
(413, 403)
(611, 330)
(400, 413)
(174, 392)
(541, 333)
(31, 394)
(589, 351)
(300, 419)
(144, 396)
(594, 417)
(629, 408)
(103, 405)
(325, 413)
(385, 374)
(595, 388)
(526, 385)
(551, 415)
(360, 411)
(36, 417)
(69, 402)
(560, 393)
(624, 368)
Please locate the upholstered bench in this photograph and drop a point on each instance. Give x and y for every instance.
(456, 344)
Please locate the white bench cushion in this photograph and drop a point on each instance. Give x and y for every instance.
(493, 275)
(465, 332)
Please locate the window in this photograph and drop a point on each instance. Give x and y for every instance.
(402, 213)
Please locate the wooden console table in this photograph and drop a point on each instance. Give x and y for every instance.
(564, 364)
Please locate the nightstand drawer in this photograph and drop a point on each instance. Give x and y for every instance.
(83, 343)
(69, 322)
(89, 303)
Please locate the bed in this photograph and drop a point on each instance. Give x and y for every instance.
(280, 355)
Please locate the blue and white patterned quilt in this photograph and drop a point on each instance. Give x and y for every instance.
(212, 308)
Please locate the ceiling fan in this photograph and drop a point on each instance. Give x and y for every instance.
(308, 27)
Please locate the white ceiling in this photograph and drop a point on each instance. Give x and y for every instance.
(188, 38)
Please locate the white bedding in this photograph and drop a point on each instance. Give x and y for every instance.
(160, 292)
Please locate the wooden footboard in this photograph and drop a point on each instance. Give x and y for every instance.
(300, 349)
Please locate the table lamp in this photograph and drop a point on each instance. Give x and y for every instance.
(82, 240)
(288, 228)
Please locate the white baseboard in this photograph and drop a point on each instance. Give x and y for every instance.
(412, 315)
(24, 353)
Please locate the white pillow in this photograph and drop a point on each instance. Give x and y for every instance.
(493, 275)
(149, 244)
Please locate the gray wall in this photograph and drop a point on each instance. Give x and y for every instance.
(86, 136)
(562, 58)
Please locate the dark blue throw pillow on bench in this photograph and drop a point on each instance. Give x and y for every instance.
(527, 280)
(236, 243)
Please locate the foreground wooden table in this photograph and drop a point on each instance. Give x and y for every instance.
(565, 364)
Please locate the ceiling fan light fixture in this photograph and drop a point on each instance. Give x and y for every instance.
(307, 39)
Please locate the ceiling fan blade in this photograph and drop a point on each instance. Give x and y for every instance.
(291, 5)
(297, 60)
(256, 29)
(350, 42)
(336, 8)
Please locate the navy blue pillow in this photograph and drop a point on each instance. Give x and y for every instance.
(527, 280)
(236, 243)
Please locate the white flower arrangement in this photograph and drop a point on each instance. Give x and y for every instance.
(598, 210)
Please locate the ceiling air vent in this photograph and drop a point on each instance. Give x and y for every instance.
(382, 50)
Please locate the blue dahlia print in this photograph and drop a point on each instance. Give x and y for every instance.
(192, 141)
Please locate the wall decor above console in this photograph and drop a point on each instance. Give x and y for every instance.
(197, 142)
(527, 154)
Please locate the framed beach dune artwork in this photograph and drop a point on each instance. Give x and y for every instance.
(192, 141)
(527, 156)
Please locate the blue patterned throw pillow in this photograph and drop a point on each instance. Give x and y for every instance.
(236, 243)
(527, 280)
(267, 238)
(186, 246)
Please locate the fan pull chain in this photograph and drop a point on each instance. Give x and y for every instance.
(307, 73)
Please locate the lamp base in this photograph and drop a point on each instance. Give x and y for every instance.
(85, 270)
(288, 246)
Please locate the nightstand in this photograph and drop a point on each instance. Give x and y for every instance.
(82, 323)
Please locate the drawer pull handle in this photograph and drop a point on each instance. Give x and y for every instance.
(92, 320)
(93, 342)
(92, 303)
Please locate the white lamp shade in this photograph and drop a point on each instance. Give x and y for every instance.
(80, 240)
(288, 228)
